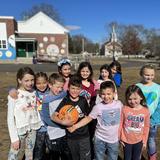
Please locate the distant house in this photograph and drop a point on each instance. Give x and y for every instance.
(113, 47)
(38, 36)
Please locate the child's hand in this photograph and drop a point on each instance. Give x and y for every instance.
(67, 121)
(122, 143)
(144, 147)
(15, 145)
(13, 93)
(71, 129)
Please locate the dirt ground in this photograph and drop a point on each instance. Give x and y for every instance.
(7, 80)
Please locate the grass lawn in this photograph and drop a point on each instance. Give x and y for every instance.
(130, 76)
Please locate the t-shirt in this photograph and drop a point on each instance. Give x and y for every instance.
(82, 107)
(108, 120)
(152, 95)
(134, 125)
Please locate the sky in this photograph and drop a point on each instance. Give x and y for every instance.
(91, 16)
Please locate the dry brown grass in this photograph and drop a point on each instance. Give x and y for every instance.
(130, 76)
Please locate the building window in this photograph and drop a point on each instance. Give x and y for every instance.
(3, 44)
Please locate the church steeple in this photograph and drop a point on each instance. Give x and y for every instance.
(113, 34)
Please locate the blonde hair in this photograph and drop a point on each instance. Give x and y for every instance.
(147, 66)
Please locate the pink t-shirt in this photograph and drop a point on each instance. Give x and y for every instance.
(108, 120)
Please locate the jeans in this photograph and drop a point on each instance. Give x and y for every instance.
(152, 150)
(80, 148)
(27, 142)
(102, 147)
(132, 151)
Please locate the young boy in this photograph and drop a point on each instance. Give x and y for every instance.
(107, 114)
(56, 140)
(78, 141)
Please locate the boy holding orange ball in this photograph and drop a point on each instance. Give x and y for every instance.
(78, 141)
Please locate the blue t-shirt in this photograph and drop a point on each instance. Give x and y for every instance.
(152, 95)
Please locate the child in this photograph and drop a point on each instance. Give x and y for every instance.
(105, 75)
(89, 91)
(42, 96)
(115, 68)
(78, 141)
(85, 72)
(151, 91)
(56, 140)
(23, 118)
(107, 114)
(135, 120)
(64, 68)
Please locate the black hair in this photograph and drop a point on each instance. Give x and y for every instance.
(106, 67)
(88, 65)
(118, 66)
(107, 84)
(75, 80)
(41, 74)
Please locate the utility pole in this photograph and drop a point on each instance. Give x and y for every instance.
(82, 45)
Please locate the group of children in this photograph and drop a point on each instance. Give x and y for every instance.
(35, 127)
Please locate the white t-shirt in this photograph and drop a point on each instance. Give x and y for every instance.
(108, 120)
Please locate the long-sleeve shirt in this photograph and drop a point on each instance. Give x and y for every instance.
(22, 114)
(134, 126)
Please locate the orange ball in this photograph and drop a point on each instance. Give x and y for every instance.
(71, 110)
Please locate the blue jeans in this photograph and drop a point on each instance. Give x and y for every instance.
(102, 147)
(152, 149)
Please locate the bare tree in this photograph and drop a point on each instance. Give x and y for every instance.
(48, 9)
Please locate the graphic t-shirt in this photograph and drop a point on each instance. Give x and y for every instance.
(83, 109)
(134, 125)
(108, 120)
(152, 95)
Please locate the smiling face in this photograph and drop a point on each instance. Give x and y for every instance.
(105, 74)
(41, 84)
(85, 73)
(27, 82)
(74, 92)
(65, 70)
(148, 75)
(57, 87)
(107, 95)
(134, 100)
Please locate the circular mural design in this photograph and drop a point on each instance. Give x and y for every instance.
(52, 39)
(1, 54)
(45, 39)
(62, 51)
(63, 45)
(41, 45)
(52, 50)
(8, 54)
(42, 50)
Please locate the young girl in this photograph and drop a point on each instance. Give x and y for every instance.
(135, 120)
(115, 68)
(23, 118)
(105, 75)
(85, 72)
(41, 91)
(64, 68)
(151, 91)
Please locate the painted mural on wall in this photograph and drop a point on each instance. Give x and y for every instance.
(10, 52)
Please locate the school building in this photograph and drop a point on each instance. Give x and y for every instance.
(39, 36)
